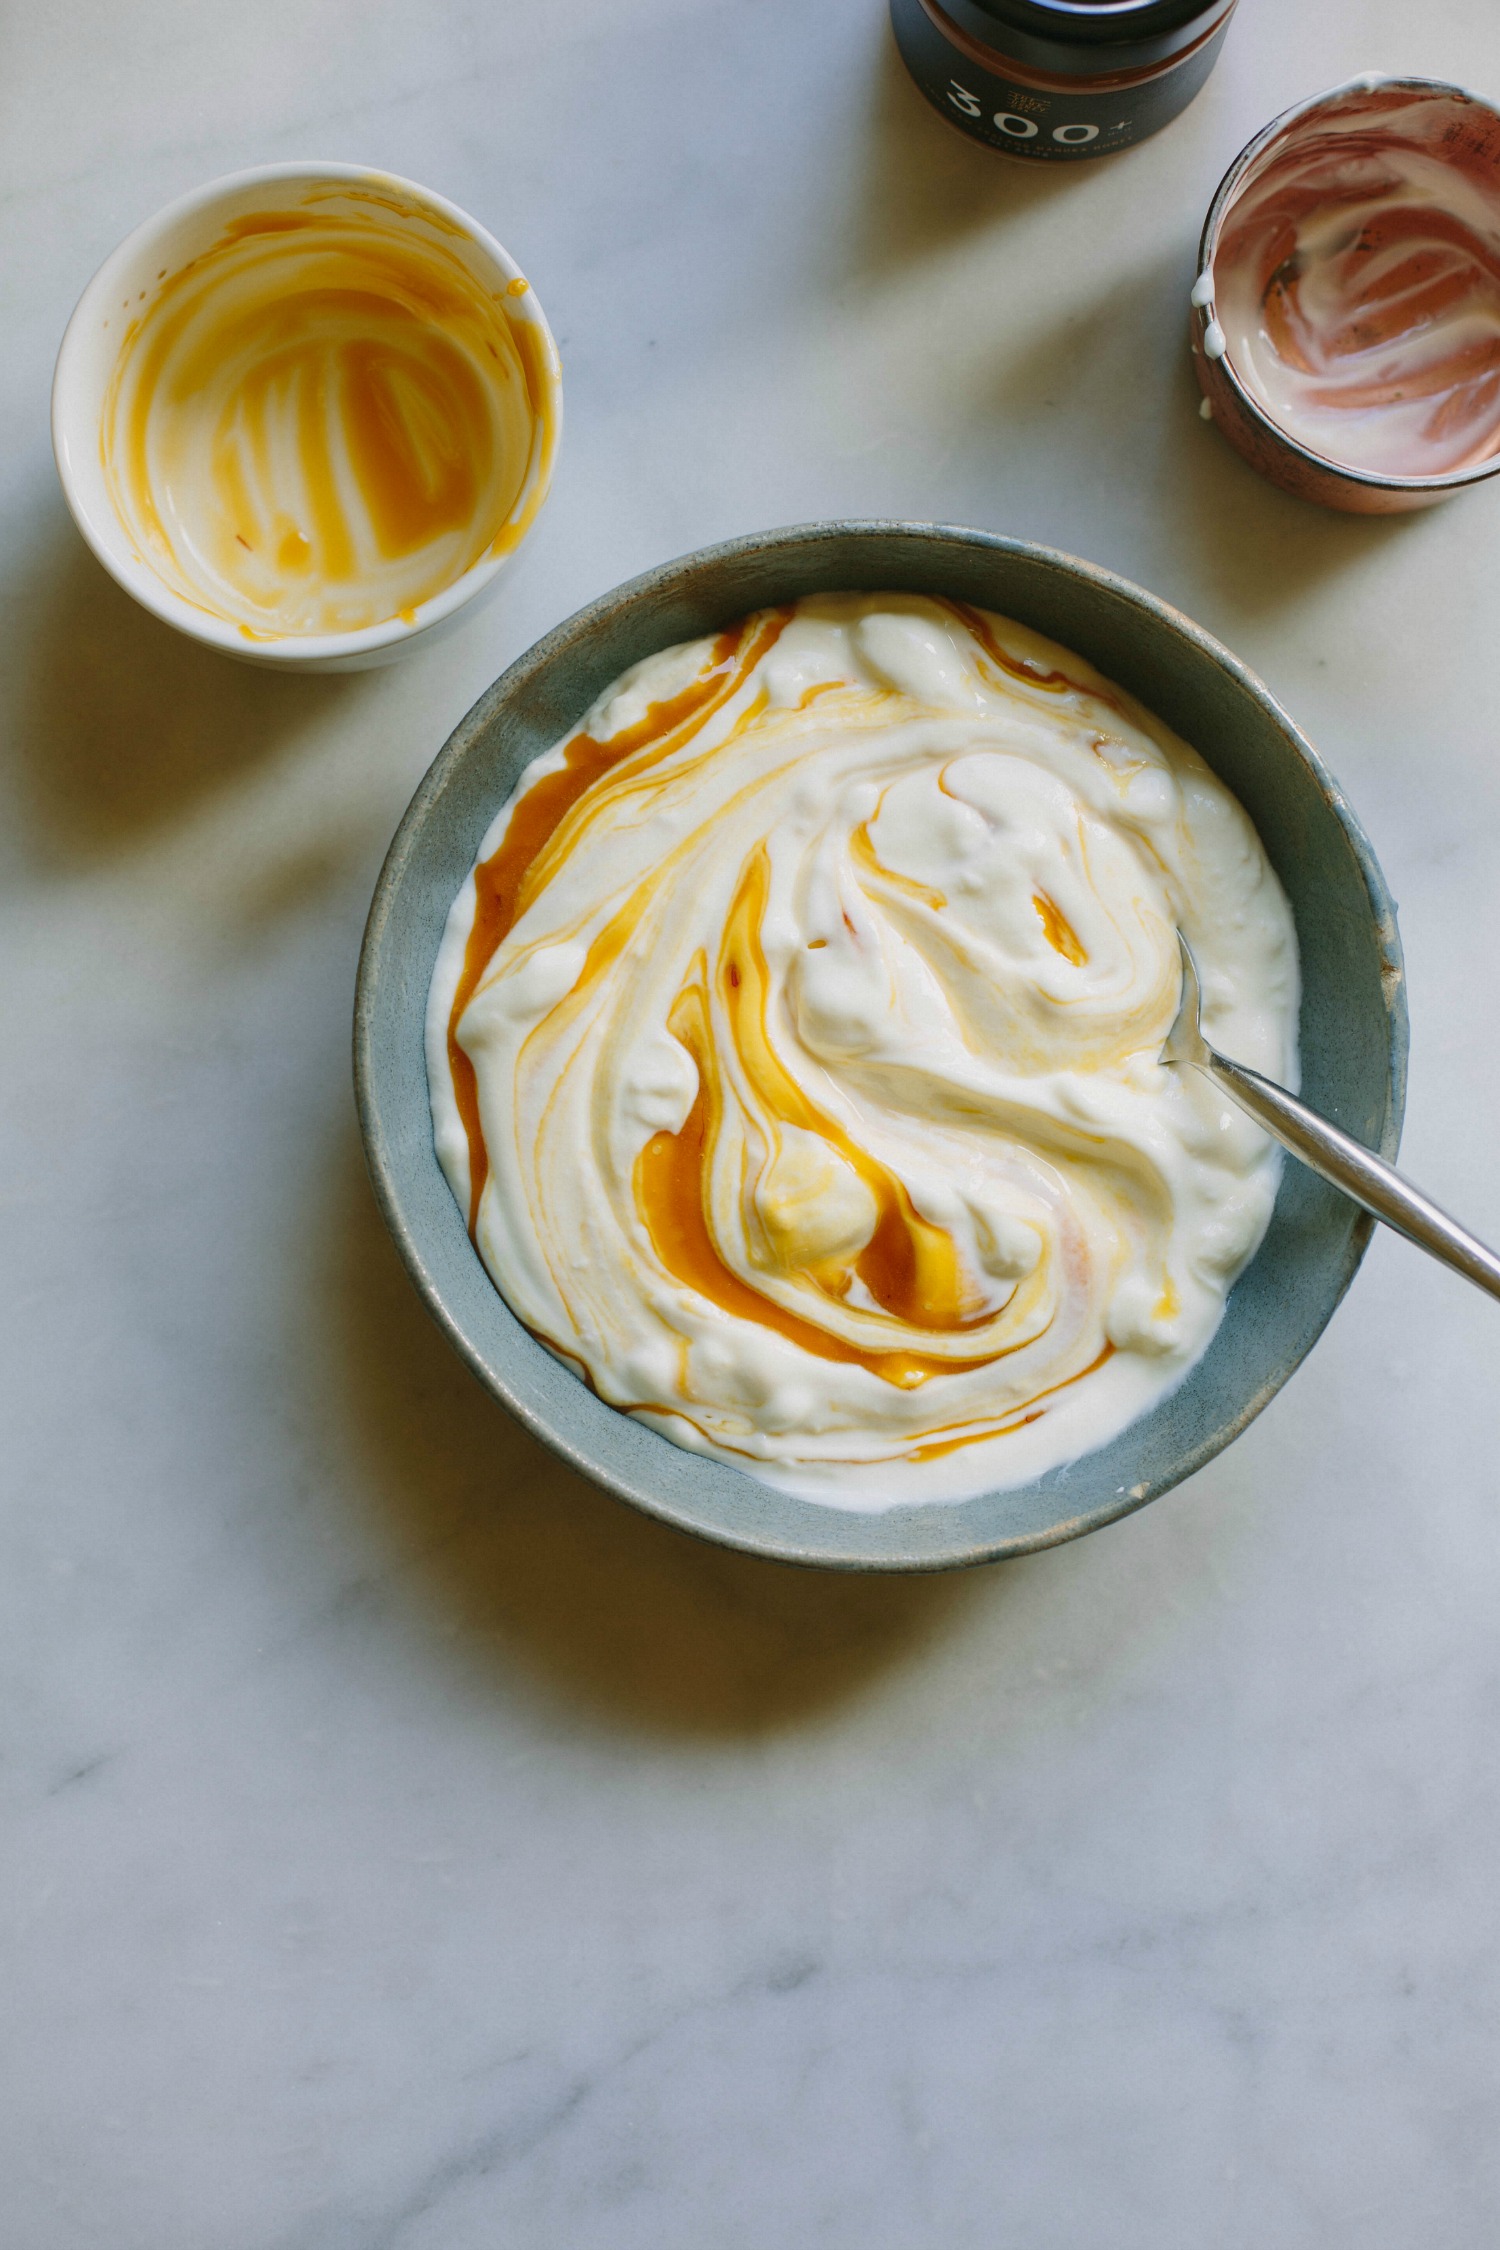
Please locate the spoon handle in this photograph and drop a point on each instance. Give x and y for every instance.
(1357, 1170)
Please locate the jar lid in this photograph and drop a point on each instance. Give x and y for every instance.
(1085, 38)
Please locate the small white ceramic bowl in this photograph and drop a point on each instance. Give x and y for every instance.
(90, 350)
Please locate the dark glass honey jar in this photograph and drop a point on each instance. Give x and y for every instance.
(1059, 81)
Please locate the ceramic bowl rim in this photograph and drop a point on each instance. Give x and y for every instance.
(369, 1071)
(1367, 480)
(109, 541)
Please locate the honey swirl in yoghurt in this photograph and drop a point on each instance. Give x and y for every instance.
(794, 1049)
(327, 417)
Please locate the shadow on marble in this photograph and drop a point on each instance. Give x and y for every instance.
(1257, 545)
(530, 1566)
(120, 724)
(924, 183)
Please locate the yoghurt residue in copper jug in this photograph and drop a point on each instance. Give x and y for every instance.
(1356, 288)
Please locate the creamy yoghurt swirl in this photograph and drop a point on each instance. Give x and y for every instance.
(794, 1050)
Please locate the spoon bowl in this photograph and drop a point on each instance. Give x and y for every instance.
(1356, 1171)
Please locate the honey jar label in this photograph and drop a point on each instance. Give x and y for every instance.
(1053, 123)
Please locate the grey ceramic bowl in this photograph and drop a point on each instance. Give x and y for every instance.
(1353, 1027)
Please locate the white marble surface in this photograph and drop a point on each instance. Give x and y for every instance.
(405, 1847)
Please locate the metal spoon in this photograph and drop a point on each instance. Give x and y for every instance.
(1355, 1170)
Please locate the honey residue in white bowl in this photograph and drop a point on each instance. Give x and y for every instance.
(327, 418)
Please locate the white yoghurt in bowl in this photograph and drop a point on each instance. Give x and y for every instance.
(794, 1050)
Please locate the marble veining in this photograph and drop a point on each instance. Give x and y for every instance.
(406, 1847)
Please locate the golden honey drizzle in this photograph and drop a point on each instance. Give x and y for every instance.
(978, 626)
(671, 1193)
(935, 1448)
(910, 1268)
(1061, 935)
(506, 882)
(362, 364)
(862, 852)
